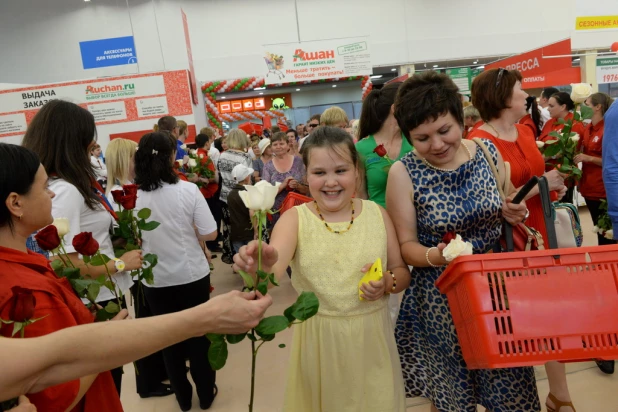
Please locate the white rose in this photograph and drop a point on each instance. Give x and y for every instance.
(580, 92)
(201, 155)
(179, 161)
(192, 163)
(62, 224)
(609, 234)
(183, 147)
(575, 137)
(596, 229)
(261, 196)
(457, 247)
(185, 159)
(193, 152)
(540, 145)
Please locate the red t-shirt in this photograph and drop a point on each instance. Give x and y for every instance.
(181, 175)
(591, 184)
(552, 125)
(528, 122)
(60, 308)
(526, 161)
(211, 188)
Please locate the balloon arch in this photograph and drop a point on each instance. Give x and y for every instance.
(211, 89)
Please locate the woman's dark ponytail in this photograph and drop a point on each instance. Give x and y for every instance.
(376, 109)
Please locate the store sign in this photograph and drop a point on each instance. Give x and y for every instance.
(462, 77)
(108, 52)
(317, 60)
(275, 102)
(607, 70)
(596, 15)
(110, 100)
(541, 67)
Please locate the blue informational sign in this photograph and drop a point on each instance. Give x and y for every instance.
(108, 52)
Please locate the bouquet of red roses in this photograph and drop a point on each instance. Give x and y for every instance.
(130, 227)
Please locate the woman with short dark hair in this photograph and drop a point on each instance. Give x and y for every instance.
(181, 278)
(446, 185)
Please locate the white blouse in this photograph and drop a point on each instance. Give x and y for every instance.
(99, 167)
(181, 210)
(69, 203)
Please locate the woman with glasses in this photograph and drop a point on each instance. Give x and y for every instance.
(498, 96)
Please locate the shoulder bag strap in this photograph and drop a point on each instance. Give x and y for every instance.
(492, 165)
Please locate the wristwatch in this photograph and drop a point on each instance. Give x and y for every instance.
(119, 264)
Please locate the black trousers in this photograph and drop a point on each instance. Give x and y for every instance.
(174, 299)
(593, 207)
(151, 369)
(214, 204)
(117, 372)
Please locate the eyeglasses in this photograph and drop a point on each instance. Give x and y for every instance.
(500, 73)
(313, 124)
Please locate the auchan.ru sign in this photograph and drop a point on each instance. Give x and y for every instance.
(535, 65)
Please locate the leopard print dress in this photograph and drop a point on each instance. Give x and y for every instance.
(467, 201)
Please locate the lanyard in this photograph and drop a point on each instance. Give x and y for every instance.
(98, 190)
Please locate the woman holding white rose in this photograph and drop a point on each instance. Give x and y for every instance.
(345, 357)
(444, 186)
(181, 277)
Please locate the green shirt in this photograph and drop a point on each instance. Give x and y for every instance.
(376, 167)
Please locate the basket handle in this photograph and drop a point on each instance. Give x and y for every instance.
(547, 212)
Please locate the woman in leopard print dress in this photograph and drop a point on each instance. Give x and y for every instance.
(446, 185)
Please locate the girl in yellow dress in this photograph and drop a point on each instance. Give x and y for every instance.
(345, 358)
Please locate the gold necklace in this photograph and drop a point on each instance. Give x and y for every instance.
(498, 133)
(330, 229)
(448, 170)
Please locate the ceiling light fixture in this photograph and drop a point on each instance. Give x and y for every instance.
(480, 67)
(435, 65)
(261, 93)
(259, 88)
(334, 85)
(394, 69)
(223, 97)
(576, 60)
(376, 76)
(297, 90)
(475, 62)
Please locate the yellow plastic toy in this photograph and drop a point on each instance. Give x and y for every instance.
(374, 273)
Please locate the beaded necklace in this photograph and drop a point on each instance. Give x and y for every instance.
(330, 229)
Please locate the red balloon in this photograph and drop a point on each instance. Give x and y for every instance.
(614, 47)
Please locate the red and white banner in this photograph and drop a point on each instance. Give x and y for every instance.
(541, 67)
(111, 100)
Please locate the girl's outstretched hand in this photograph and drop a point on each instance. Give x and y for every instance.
(373, 290)
(247, 257)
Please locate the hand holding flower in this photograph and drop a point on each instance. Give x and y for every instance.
(582, 158)
(133, 260)
(456, 247)
(247, 257)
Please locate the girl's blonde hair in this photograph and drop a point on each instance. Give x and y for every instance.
(333, 116)
(118, 157)
(237, 140)
(182, 127)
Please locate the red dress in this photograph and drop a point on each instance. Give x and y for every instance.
(61, 308)
(211, 188)
(526, 161)
(528, 122)
(591, 184)
(468, 131)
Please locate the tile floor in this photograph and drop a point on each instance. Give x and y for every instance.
(591, 390)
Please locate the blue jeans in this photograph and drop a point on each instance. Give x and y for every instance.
(238, 244)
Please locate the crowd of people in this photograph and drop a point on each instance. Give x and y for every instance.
(389, 185)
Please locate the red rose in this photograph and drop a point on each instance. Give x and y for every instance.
(128, 201)
(117, 194)
(130, 189)
(380, 150)
(23, 304)
(449, 236)
(85, 244)
(48, 238)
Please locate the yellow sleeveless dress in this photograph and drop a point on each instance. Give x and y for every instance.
(345, 358)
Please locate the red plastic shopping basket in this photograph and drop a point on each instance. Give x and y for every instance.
(293, 199)
(528, 308)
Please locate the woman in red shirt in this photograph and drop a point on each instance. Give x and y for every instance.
(532, 120)
(560, 107)
(498, 96)
(591, 184)
(25, 207)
